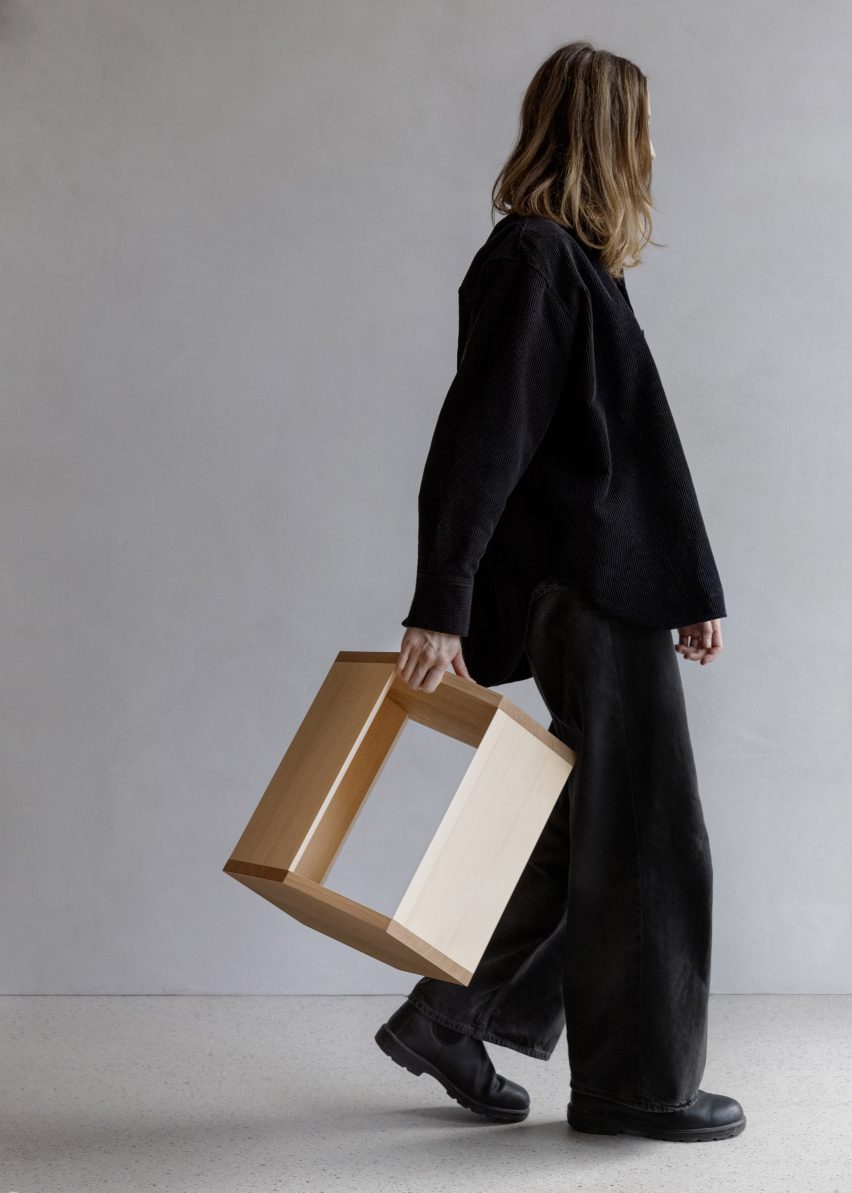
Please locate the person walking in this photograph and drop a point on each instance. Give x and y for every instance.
(560, 539)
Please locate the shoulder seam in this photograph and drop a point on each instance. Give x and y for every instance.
(498, 256)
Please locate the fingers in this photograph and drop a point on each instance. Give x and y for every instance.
(700, 642)
(424, 657)
(426, 679)
(460, 667)
(690, 645)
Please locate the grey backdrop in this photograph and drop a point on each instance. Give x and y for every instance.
(231, 239)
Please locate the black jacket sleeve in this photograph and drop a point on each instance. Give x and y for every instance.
(512, 371)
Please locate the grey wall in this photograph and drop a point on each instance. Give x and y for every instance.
(231, 237)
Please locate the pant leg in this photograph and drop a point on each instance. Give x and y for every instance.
(637, 933)
(515, 995)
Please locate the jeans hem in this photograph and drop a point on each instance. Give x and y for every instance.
(636, 1103)
(483, 1034)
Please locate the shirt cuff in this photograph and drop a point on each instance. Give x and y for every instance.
(441, 605)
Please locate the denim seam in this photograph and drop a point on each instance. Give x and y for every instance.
(481, 1021)
(639, 886)
(477, 1032)
(482, 1017)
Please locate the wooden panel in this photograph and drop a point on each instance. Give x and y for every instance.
(388, 657)
(352, 924)
(473, 863)
(316, 762)
(538, 731)
(335, 819)
(458, 707)
(462, 709)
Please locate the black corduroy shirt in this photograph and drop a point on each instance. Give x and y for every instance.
(555, 456)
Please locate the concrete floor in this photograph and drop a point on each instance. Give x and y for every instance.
(255, 1094)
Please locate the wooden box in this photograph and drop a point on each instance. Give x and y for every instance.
(461, 886)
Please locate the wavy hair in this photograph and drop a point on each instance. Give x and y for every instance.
(583, 153)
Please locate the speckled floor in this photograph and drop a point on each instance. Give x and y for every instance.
(255, 1094)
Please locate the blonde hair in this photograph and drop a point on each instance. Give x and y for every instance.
(583, 153)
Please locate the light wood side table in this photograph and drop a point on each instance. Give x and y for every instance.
(463, 882)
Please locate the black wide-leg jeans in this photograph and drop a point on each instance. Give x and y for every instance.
(608, 930)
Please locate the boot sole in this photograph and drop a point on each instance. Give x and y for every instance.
(393, 1047)
(614, 1124)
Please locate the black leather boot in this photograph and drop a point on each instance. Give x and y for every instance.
(462, 1065)
(711, 1116)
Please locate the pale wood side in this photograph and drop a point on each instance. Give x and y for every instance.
(473, 863)
(353, 924)
(533, 727)
(306, 780)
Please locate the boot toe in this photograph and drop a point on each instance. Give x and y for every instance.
(512, 1095)
(724, 1110)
